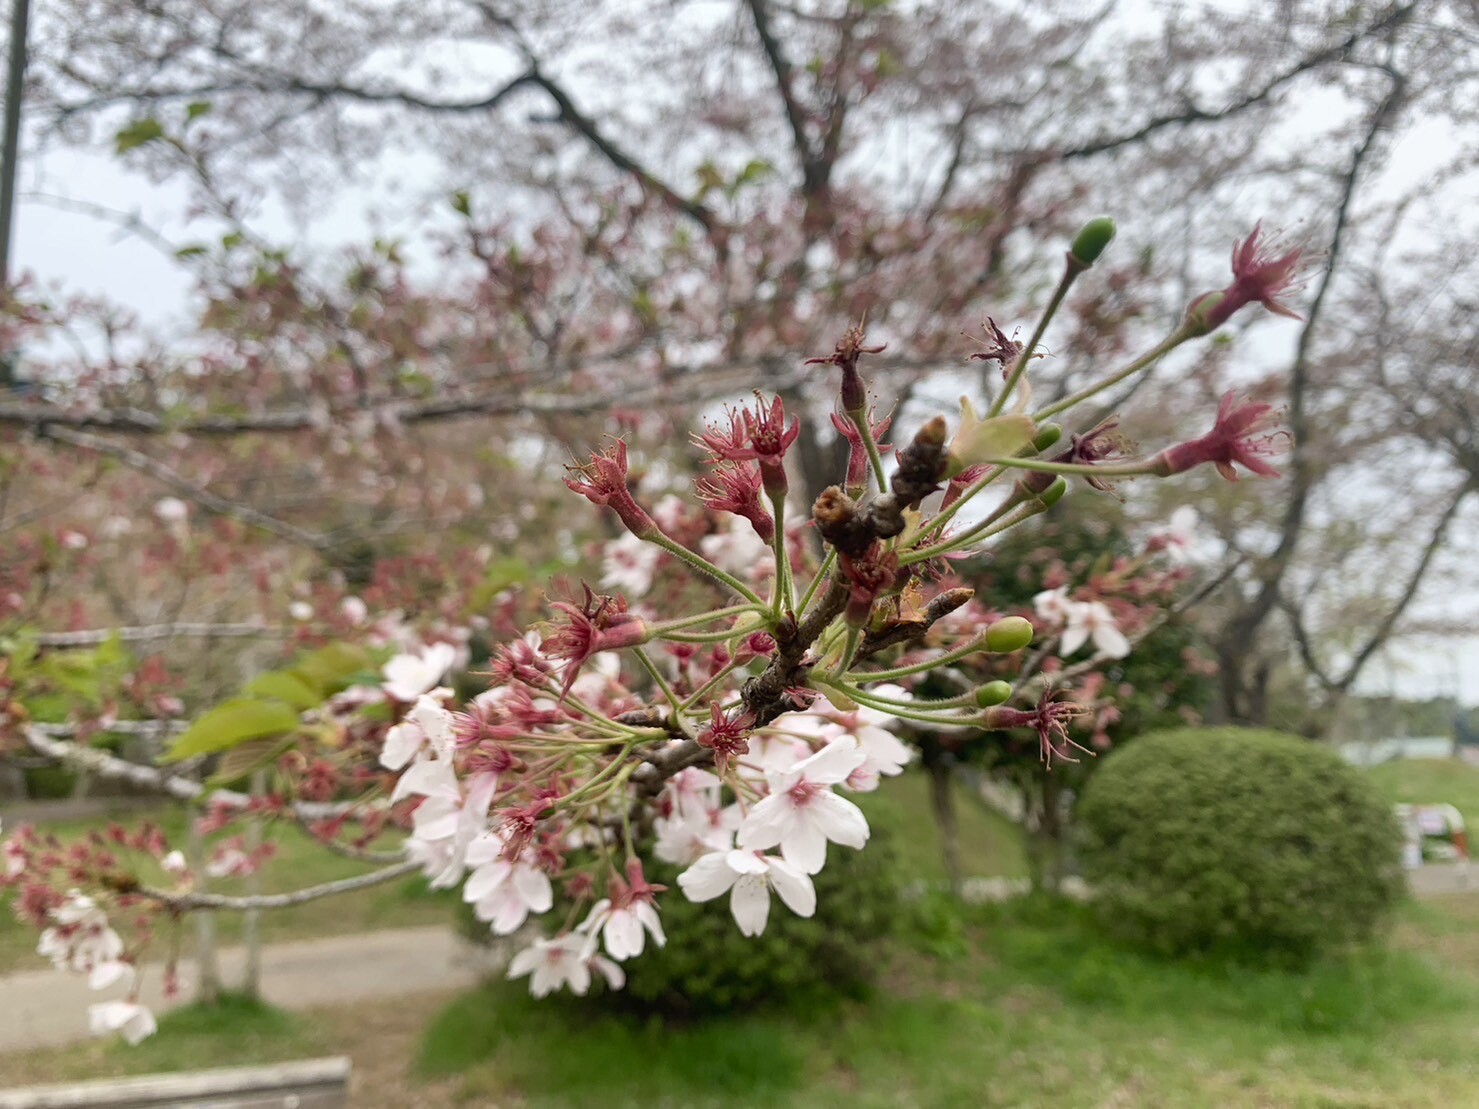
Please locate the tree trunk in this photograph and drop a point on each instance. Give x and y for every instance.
(942, 805)
(251, 921)
(1042, 793)
(207, 969)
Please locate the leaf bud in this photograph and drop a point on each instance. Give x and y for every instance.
(1053, 493)
(1010, 633)
(1091, 241)
(993, 693)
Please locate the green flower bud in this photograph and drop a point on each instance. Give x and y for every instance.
(1053, 493)
(1010, 633)
(1047, 435)
(1092, 240)
(993, 693)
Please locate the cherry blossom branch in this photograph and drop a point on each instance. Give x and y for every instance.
(187, 902)
(699, 385)
(106, 765)
(143, 632)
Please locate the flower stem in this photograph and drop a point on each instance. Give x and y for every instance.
(902, 713)
(974, 535)
(1019, 367)
(704, 566)
(662, 627)
(875, 458)
(975, 644)
(823, 572)
(782, 598)
(1155, 354)
(667, 690)
(703, 690)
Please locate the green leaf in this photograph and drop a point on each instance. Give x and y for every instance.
(197, 108)
(241, 760)
(194, 250)
(234, 723)
(329, 669)
(138, 133)
(462, 203)
(502, 574)
(283, 685)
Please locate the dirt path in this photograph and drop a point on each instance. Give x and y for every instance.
(46, 1007)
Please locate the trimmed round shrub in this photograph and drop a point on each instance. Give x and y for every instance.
(1248, 842)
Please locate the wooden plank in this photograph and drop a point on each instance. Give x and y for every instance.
(302, 1084)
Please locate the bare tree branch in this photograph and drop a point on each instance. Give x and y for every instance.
(1390, 20)
(202, 496)
(144, 632)
(187, 902)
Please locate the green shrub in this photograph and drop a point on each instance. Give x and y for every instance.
(709, 967)
(1247, 842)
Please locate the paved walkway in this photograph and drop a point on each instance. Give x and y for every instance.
(42, 1008)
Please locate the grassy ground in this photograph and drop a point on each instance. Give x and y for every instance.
(1430, 781)
(1033, 1009)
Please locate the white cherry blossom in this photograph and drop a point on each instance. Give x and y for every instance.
(80, 940)
(686, 837)
(408, 676)
(625, 929)
(565, 961)
(748, 877)
(1053, 605)
(129, 1017)
(1092, 619)
(503, 892)
(427, 723)
(627, 564)
(802, 813)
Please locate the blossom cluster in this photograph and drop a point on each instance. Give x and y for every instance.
(724, 741)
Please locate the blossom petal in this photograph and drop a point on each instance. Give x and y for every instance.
(839, 819)
(534, 887)
(615, 977)
(1109, 640)
(708, 878)
(1074, 637)
(401, 744)
(806, 846)
(833, 763)
(794, 887)
(769, 822)
(750, 904)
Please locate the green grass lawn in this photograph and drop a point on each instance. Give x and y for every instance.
(990, 845)
(1430, 781)
(1036, 1008)
(1039, 1010)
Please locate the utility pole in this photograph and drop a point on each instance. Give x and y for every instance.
(15, 78)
